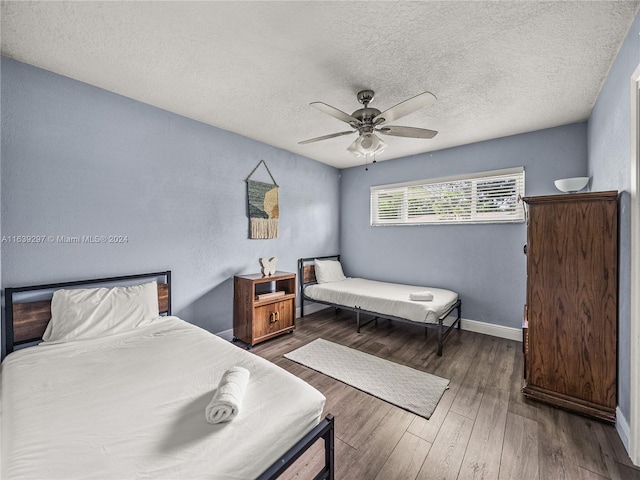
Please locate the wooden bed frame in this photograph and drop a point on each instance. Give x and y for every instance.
(307, 276)
(25, 322)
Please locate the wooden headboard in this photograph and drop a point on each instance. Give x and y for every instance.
(26, 321)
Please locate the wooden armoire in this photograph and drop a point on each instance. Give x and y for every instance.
(570, 318)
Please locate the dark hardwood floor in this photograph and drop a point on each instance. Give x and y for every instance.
(483, 428)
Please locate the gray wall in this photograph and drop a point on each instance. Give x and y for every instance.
(2, 125)
(78, 160)
(609, 167)
(484, 263)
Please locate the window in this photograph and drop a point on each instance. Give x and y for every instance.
(485, 197)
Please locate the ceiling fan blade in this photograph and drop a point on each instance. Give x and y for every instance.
(405, 108)
(325, 137)
(411, 132)
(334, 112)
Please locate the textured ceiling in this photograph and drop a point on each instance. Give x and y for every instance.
(497, 68)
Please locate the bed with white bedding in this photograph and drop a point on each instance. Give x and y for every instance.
(322, 281)
(131, 404)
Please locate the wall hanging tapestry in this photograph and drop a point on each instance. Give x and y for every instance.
(263, 206)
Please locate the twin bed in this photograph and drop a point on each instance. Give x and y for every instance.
(126, 399)
(322, 280)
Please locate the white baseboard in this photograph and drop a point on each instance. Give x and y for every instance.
(622, 427)
(226, 334)
(510, 333)
(310, 308)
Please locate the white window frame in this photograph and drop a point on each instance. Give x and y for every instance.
(471, 214)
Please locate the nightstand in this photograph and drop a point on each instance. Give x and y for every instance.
(263, 306)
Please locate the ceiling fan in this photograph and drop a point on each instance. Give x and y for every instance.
(366, 121)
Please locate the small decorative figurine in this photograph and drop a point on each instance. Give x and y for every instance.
(268, 265)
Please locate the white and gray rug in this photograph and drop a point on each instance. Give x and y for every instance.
(405, 387)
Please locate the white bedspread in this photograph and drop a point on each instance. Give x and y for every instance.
(384, 298)
(132, 406)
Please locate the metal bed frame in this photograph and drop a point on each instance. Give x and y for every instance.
(325, 430)
(304, 280)
(31, 318)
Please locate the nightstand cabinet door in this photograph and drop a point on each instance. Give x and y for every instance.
(271, 319)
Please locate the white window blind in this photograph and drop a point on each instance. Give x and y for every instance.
(484, 197)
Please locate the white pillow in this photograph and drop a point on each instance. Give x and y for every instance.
(94, 312)
(328, 271)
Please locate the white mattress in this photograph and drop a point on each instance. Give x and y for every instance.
(384, 298)
(132, 405)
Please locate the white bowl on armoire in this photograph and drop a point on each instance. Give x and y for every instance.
(571, 185)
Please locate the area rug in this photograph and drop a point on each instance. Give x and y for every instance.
(405, 387)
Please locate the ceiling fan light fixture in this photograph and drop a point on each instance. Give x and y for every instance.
(365, 144)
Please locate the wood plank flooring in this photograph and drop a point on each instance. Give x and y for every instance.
(483, 427)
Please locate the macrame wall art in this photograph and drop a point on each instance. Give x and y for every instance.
(263, 206)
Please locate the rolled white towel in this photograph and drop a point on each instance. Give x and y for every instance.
(425, 296)
(227, 399)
